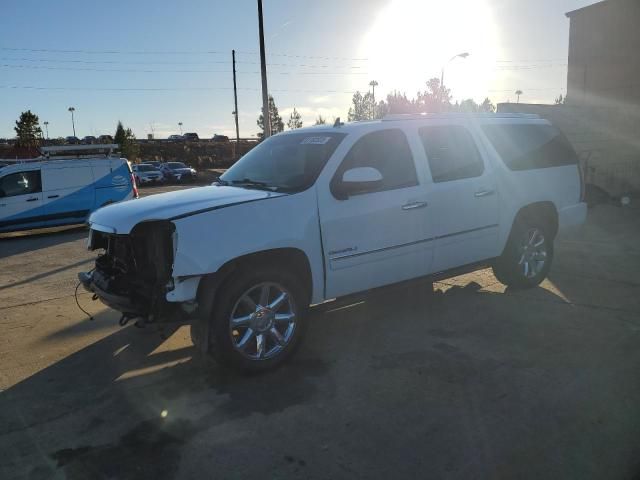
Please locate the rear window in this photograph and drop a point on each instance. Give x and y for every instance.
(526, 147)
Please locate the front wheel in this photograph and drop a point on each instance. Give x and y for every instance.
(527, 257)
(258, 319)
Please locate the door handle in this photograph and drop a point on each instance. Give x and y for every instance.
(484, 193)
(53, 196)
(31, 199)
(414, 205)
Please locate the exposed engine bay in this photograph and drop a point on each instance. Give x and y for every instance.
(133, 274)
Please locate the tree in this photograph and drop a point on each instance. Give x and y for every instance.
(320, 120)
(120, 136)
(277, 125)
(363, 107)
(397, 103)
(28, 131)
(435, 98)
(127, 141)
(295, 120)
(487, 106)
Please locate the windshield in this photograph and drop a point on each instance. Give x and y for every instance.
(285, 162)
(146, 168)
(176, 165)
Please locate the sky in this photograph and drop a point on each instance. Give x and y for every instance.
(152, 64)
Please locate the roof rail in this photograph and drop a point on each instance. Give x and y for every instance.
(424, 116)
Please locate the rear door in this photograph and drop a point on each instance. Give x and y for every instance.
(113, 181)
(376, 237)
(68, 191)
(21, 200)
(463, 196)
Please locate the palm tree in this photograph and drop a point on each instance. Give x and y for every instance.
(518, 93)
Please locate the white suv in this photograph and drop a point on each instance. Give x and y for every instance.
(319, 213)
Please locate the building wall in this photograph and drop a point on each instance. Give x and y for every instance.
(604, 55)
(607, 140)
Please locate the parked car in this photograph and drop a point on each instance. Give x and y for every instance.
(71, 140)
(191, 137)
(105, 139)
(178, 172)
(146, 173)
(320, 213)
(89, 139)
(37, 194)
(220, 139)
(176, 138)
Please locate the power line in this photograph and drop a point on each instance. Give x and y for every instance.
(167, 89)
(132, 70)
(216, 62)
(172, 52)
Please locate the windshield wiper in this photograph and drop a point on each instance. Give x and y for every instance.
(247, 182)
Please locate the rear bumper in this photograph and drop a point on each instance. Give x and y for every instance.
(573, 215)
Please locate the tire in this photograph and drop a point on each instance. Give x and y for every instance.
(240, 347)
(528, 255)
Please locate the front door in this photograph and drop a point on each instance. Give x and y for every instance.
(377, 236)
(463, 197)
(20, 200)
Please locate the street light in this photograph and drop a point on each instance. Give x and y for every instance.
(459, 55)
(46, 129)
(180, 123)
(73, 122)
(373, 84)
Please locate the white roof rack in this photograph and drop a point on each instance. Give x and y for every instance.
(424, 116)
(79, 148)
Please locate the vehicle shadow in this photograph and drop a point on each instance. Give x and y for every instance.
(46, 274)
(100, 412)
(24, 242)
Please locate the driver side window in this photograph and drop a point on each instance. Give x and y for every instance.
(21, 183)
(388, 152)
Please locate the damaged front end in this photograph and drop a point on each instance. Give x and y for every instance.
(134, 273)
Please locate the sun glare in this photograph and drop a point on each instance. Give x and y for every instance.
(411, 40)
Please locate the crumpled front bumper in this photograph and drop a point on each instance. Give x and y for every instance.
(94, 282)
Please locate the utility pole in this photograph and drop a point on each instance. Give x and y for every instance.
(73, 122)
(46, 128)
(263, 68)
(235, 102)
(373, 84)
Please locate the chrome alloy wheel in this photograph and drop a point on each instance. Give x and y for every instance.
(263, 321)
(533, 253)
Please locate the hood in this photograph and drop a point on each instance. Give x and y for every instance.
(121, 217)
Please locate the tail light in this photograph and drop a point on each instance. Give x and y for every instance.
(135, 186)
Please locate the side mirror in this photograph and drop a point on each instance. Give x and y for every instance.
(358, 180)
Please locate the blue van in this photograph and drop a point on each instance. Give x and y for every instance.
(48, 192)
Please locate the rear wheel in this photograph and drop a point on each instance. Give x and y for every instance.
(527, 257)
(258, 319)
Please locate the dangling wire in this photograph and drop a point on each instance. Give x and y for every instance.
(78, 303)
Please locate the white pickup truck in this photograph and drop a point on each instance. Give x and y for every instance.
(319, 213)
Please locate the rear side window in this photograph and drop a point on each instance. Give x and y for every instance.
(451, 152)
(67, 177)
(388, 152)
(525, 147)
(22, 183)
